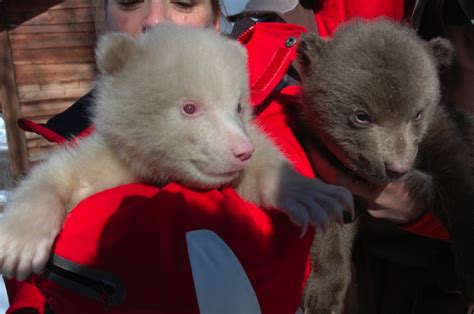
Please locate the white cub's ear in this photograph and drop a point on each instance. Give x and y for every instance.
(442, 50)
(113, 52)
(309, 48)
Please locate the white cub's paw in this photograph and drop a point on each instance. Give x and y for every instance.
(25, 246)
(311, 201)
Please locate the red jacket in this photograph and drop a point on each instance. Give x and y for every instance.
(145, 241)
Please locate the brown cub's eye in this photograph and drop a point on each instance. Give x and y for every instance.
(362, 118)
(418, 116)
(190, 109)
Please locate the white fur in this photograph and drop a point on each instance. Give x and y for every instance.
(142, 135)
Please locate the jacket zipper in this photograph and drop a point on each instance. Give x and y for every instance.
(243, 36)
(108, 291)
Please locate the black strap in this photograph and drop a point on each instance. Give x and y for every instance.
(75, 119)
(95, 284)
(244, 20)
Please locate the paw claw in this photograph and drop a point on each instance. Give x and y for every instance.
(21, 276)
(304, 229)
(311, 201)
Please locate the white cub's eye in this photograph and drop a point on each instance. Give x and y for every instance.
(190, 109)
(418, 115)
(239, 108)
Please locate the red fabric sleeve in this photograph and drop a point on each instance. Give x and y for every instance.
(332, 13)
(269, 55)
(428, 226)
(24, 295)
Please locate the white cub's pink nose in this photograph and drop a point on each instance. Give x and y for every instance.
(243, 150)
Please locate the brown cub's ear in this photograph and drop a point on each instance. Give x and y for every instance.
(442, 50)
(113, 52)
(309, 47)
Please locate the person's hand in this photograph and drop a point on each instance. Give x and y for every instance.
(391, 201)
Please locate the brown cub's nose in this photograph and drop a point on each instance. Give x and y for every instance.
(395, 169)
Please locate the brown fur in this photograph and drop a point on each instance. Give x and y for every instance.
(372, 96)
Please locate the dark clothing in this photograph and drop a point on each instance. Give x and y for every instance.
(75, 119)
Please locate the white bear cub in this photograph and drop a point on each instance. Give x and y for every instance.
(171, 106)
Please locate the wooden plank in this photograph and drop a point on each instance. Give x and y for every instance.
(51, 94)
(18, 6)
(53, 55)
(11, 110)
(44, 74)
(39, 143)
(73, 27)
(35, 8)
(32, 136)
(52, 40)
(47, 108)
(62, 16)
(71, 4)
(37, 87)
(46, 87)
(39, 119)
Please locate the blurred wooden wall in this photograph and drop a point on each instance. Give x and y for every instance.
(47, 62)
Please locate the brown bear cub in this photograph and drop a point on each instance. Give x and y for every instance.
(371, 97)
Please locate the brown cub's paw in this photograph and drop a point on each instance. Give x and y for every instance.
(320, 301)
